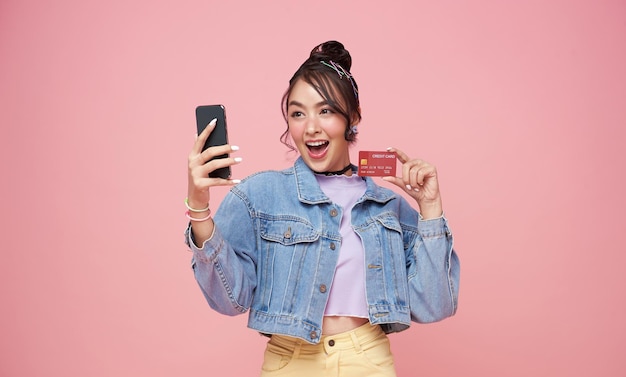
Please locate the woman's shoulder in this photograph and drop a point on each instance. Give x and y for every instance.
(265, 181)
(267, 175)
(264, 187)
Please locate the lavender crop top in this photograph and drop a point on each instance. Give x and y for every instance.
(347, 293)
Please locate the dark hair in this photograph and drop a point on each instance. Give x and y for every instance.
(340, 91)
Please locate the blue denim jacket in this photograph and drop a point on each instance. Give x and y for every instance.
(276, 244)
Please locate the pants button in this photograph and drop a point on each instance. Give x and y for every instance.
(331, 342)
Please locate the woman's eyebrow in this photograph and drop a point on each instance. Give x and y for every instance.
(296, 103)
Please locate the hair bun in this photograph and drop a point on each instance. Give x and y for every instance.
(332, 50)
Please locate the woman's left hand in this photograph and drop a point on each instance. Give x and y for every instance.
(419, 180)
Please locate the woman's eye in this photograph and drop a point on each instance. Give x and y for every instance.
(296, 114)
(326, 111)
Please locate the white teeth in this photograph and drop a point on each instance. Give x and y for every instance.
(315, 143)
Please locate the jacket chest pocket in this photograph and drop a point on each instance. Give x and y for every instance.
(286, 253)
(287, 231)
(392, 240)
(394, 260)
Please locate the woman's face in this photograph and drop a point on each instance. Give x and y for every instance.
(316, 129)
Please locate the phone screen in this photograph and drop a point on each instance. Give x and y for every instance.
(219, 136)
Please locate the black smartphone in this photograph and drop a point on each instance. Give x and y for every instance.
(219, 136)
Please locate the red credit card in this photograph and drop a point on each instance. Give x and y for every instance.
(377, 164)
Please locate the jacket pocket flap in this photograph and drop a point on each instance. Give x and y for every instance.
(390, 222)
(288, 232)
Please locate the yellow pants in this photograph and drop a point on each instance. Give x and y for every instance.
(362, 352)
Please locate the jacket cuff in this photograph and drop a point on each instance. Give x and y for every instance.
(436, 227)
(209, 247)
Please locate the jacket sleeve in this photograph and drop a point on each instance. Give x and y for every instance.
(225, 266)
(433, 271)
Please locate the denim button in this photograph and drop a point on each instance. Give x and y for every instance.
(313, 335)
(333, 212)
(331, 342)
(323, 288)
(332, 246)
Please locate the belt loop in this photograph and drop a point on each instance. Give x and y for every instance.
(355, 342)
(296, 349)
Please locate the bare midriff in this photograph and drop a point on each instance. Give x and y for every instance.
(334, 325)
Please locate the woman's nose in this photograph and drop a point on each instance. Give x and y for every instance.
(312, 126)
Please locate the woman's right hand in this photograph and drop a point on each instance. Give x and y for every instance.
(200, 166)
(199, 182)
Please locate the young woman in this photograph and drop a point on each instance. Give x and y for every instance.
(327, 263)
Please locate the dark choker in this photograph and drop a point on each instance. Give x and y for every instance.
(338, 172)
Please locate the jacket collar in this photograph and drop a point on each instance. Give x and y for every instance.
(310, 192)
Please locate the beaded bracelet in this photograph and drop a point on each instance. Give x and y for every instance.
(198, 219)
(196, 210)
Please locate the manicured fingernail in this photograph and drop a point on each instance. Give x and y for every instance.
(389, 148)
(212, 123)
(416, 189)
(234, 148)
(235, 180)
(238, 159)
(408, 187)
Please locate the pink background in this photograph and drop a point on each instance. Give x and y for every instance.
(520, 105)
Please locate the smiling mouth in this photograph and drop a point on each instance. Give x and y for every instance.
(317, 147)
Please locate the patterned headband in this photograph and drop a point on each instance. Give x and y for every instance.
(342, 72)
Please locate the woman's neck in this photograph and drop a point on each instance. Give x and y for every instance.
(347, 171)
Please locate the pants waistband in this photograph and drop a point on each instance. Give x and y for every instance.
(354, 339)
